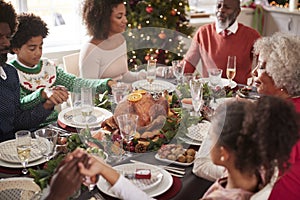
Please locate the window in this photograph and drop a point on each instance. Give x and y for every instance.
(66, 30)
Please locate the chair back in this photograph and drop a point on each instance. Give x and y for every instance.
(71, 63)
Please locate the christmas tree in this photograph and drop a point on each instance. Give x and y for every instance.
(157, 29)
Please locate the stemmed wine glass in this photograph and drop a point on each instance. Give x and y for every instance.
(196, 88)
(151, 72)
(127, 124)
(231, 68)
(47, 139)
(178, 69)
(23, 145)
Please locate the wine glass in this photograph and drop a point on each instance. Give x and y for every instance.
(151, 72)
(231, 68)
(127, 125)
(87, 105)
(178, 69)
(196, 88)
(23, 145)
(47, 139)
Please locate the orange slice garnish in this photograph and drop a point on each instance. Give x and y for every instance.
(134, 97)
(140, 91)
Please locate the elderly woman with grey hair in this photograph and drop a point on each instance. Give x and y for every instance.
(278, 73)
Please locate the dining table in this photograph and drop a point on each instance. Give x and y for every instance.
(189, 186)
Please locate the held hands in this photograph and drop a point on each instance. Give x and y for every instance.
(54, 96)
(67, 180)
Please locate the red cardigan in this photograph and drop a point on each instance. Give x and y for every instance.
(213, 48)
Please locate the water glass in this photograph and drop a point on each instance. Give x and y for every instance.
(23, 146)
(127, 125)
(215, 76)
(87, 105)
(47, 139)
(151, 72)
(178, 69)
(119, 91)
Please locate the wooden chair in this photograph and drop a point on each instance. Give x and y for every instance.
(71, 63)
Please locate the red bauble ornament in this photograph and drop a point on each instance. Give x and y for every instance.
(149, 9)
(173, 12)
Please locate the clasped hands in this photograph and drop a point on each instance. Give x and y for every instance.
(54, 96)
(71, 172)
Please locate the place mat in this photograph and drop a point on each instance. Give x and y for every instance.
(8, 151)
(199, 131)
(174, 189)
(66, 127)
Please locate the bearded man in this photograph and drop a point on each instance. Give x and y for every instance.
(213, 43)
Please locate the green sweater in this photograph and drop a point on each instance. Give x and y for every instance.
(46, 75)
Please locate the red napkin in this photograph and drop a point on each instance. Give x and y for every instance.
(174, 189)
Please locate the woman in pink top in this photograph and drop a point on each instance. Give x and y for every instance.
(278, 73)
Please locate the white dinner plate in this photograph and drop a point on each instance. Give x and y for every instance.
(156, 190)
(8, 151)
(68, 115)
(19, 188)
(172, 161)
(157, 86)
(199, 131)
(19, 165)
(190, 141)
(225, 82)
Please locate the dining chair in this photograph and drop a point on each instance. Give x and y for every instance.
(71, 63)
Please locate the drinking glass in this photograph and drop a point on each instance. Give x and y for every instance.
(47, 139)
(127, 125)
(196, 88)
(231, 68)
(215, 76)
(23, 145)
(178, 69)
(87, 105)
(119, 91)
(151, 72)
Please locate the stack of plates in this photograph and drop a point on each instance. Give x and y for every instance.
(9, 157)
(157, 86)
(196, 133)
(72, 117)
(159, 183)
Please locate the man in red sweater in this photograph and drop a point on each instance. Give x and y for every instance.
(213, 43)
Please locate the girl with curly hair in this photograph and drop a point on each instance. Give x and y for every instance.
(105, 55)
